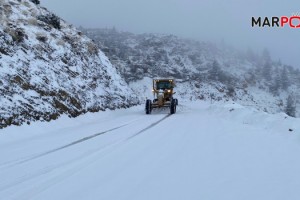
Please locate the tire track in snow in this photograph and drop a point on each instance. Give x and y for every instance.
(26, 159)
(46, 170)
(41, 172)
(149, 127)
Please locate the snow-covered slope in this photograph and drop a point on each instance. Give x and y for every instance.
(204, 151)
(48, 68)
(204, 70)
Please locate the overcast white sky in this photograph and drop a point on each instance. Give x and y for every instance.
(212, 20)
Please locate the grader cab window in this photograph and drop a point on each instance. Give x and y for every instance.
(162, 85)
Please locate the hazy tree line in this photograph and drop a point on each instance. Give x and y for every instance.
(137, 56)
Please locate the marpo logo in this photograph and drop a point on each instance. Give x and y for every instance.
(283, 21)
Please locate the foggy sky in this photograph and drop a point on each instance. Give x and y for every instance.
(212, 20)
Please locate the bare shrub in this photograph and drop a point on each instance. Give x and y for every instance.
(230, 91)
(18, 35)
(13, 3)
(2, 17)
(60, 43)
(92, 48)
(26, 3)
(7, 10)
(24, 12)
(37, 2)
(50, 19)
(34, 13)
(33, 21)
(41, 37)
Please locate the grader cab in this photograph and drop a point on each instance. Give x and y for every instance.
(163, 96)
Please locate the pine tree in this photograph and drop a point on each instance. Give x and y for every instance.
(285, 83)
(266, 55)
(275, 84)
(290, 108)
(215, 71)
(267, 71)
(250, 55)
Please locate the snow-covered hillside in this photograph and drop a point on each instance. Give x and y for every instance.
(204, 151)
(204, 70)
(48, 68)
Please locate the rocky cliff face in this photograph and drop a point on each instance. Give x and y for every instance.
(48, 68)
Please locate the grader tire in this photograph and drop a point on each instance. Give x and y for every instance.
(148, 106)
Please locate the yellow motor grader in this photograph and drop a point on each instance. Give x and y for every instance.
(163, 96)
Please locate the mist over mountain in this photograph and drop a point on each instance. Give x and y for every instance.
(203, 70)
(49, 68)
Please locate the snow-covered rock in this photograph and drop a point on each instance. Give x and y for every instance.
(49, 68)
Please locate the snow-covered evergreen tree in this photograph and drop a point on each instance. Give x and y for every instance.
(285, 83)
(215, 71)
(290, 108)
(267, 71)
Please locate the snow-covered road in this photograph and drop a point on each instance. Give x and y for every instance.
(202, 152)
